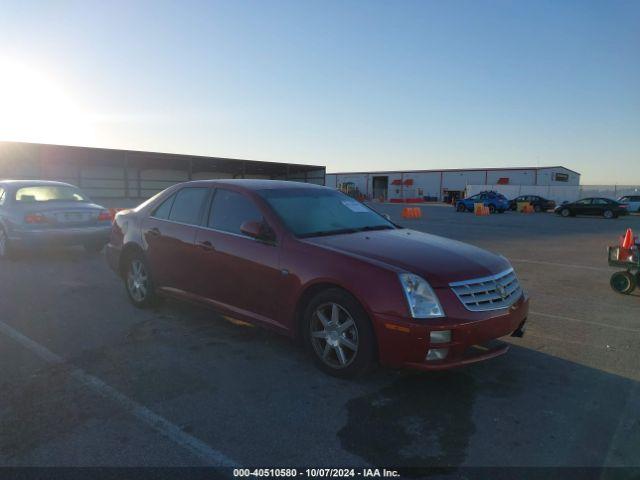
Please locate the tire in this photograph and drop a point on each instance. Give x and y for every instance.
(138, 281)
(93, 247)
(461, 208)
(338, 334)
(492, 209)
(623, 282)
(6, 251)
(537, 208)
(565, 212)
(608, 214)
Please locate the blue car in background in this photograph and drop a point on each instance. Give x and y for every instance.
(494, 200)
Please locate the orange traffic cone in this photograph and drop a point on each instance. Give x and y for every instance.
(627, 241)
(405, 212)
(417, 212)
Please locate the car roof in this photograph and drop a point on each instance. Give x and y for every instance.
(32, 183)
(258, 184)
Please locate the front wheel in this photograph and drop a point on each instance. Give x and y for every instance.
(461, 208)
(138, 282)
(623, 282)
(537, 208)
(492, 209)
(565, 212)
(338, 334)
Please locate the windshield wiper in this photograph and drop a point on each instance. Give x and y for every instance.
(325, 233)
(371, 228)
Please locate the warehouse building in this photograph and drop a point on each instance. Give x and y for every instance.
(125, 177)
(447, 185)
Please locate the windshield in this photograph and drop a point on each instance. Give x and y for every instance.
(314, 212)
(50, 193)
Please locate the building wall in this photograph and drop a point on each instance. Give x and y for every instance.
(106, 174)
(435, 183)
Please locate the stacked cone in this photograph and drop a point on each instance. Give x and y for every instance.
(411, 213)
(481, 210)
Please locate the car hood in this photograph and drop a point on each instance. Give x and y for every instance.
(438, 260)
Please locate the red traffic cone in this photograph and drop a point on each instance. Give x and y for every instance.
(627, 241)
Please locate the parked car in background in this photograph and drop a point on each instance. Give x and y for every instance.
(494, 200)
(540, 204)
(37, 213)
(603, 207)
(312, 263)
(633, 202)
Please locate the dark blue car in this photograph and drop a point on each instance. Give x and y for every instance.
(494, 200)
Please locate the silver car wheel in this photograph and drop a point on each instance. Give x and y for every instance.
(334, 335)
(137, 280)
(608, 214)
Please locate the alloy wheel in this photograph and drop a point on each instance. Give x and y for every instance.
(334, 335)
(608, 214)
(565, 212)
(137, 280)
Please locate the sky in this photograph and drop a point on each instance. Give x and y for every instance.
(354, 85)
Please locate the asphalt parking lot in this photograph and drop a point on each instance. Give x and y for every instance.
(88, 380)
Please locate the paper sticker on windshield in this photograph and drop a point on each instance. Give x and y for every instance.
(355, 206)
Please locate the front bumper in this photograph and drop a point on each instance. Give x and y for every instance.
(406, 343)
(60, 236)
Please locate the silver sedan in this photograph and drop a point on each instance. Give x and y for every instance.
(38, 213)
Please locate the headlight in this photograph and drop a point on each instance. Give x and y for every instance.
(422, 300)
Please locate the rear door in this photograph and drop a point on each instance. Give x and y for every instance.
(583, 207)
(169, 233)
(599, 205)
(238, 271)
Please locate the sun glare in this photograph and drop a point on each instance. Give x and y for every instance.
(35, 108)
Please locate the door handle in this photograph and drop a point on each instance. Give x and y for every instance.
(206, 245)
(155, 231)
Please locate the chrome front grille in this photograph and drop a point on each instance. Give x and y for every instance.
(488, 293)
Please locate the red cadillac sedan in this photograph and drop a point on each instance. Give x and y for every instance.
(316, 265)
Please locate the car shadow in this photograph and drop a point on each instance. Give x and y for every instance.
(526, 408)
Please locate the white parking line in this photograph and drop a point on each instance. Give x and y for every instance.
(174, 433)
(564, 265)
(606, 325)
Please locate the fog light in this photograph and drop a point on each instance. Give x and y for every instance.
(441, 336)
(437, 353)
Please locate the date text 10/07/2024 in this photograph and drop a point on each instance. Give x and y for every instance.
(315, 472)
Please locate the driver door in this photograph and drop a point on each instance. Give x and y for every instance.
(236, 271)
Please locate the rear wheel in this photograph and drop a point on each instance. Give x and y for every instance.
(608, 214)
(461, 207)
(138, 282)
(338, 334)
(5, 246)
(537, 208)
(623, 282)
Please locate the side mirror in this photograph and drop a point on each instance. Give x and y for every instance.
(257, 229)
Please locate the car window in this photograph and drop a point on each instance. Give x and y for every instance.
(475, 197)
(600, 201)
(586, 201)
(309, 212)
(231, 209)
(187, 206)
(624, 199)
(50, 193)
(163, 211)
